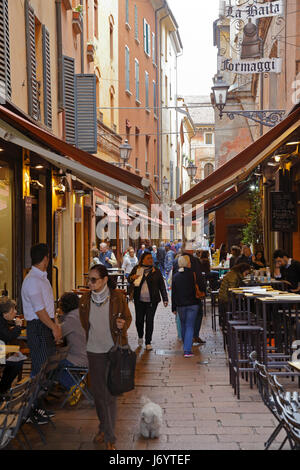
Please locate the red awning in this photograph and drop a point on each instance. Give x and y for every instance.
(239, 167)
(49, 140)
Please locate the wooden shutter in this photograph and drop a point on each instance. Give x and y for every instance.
(86, 112)
(47, 78)
(136, 25)
(69, 99)
(127, 11)
(33, 102)
(5, 76)
(137, 80)
(147, 89)
(127, 68)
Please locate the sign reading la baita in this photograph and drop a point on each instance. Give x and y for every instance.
(255, 11)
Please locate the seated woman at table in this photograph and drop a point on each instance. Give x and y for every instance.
(258, 260)
(9, 332)
(232, 279)
(74, 334)
(235, 253)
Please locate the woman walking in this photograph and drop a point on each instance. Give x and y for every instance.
(149, 287)
(185, 302)
(105, 316)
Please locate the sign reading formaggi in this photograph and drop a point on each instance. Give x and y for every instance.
(250, 66)
(255, 11)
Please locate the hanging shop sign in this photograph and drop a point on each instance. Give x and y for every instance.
(283, 212)
(255, 11)
(250, 66)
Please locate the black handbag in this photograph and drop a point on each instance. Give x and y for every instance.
(122, 361)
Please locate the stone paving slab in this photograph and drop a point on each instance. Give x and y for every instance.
(200, 410)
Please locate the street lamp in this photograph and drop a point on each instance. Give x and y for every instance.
(191, 170)
(266, 117)
(125, 151)
(166, 184)
(220, 90)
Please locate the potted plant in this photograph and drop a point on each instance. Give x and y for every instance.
(77, 19)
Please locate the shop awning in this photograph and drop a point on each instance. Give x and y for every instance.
(238, 168)
(90, 168)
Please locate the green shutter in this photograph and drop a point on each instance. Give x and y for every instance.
(86, 112)
(5, 76)
(47, 78)
(69, 99)
(33, 102)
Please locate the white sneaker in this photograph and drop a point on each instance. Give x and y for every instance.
(149, 347)
(140, 342)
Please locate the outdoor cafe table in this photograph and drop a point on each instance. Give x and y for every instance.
(285, 302)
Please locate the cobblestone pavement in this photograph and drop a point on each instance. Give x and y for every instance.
(200, 409)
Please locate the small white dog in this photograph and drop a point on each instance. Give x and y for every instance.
(151, 419)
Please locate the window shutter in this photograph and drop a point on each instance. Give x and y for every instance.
(69, 99)
(153, 48)
(86, 112)
(127, 10)
(137, 80)
(145, 35)
(33, 102)
(154, 97)
(136, 25)
(147, 88)
(127, 69)
(5, 76)
(47, 78)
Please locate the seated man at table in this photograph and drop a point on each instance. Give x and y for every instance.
(9, 332)
(75, 336)
(288, 270)
(231, 280)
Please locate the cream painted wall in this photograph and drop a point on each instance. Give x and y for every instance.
(108, 68)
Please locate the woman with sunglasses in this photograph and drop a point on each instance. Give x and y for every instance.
(105, 316)
(149, 287)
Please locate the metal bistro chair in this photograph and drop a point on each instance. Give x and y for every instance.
(289, 407)
(12, 412)
(79, 377)
(263, 379)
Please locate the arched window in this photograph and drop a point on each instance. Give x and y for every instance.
(208, 169)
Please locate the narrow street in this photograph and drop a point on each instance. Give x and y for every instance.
(200, 409)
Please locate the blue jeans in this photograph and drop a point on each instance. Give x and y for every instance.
(198, 321)
(64, 378)
(188, 316)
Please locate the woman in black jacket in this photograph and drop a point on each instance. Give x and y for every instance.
(149, 287)
(8, 335)
(184, 300)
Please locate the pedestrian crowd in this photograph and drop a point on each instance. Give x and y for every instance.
(92, 324)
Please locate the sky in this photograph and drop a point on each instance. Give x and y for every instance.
(198, 64)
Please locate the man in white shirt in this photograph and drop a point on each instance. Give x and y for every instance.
(38, 309)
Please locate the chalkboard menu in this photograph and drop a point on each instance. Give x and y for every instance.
(283, 212)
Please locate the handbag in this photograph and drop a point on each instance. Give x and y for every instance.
(198, 293)
(121, 372)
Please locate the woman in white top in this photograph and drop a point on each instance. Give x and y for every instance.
(129, 262)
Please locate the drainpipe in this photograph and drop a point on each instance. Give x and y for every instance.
(160, 126)
(82, 44)
(59, 54)
(158, 97)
